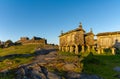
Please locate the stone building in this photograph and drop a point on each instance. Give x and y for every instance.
(76, 40)
(108, 40)
(34, 40)
(24, 38)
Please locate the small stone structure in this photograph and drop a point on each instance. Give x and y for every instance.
(34, 40)
(76, 40)
(108, 40)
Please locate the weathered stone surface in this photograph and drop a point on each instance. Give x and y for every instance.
(116, 69)
(73, 75)
(53, 76)
(76, 37)
(37, 69)
(69, 67)
(35, 72)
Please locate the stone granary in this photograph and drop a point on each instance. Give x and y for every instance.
(34, 40)
(76, 40)
(108, 40)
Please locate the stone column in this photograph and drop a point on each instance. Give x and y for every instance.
(71, 48)
(83, 48)
(98, 50)
(88, 48)
(76, 49)
(93, 48)
(66, 49)
(113, 51)
(62, 49)
(102, 51)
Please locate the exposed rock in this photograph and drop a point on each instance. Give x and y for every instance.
(69, 67)
(116, 69)
(53, 76)
(35, 71)
(73, 75)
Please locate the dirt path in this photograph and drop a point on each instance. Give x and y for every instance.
(45, 55)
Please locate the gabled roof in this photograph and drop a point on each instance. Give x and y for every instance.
(108, 33)
(89, 33)
(77, 29)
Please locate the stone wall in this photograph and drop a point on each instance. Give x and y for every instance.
(108, 40)
(76, 40)
(26, 40)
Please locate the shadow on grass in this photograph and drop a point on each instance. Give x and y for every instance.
(101, 65)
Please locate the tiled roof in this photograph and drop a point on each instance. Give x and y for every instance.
(108, 33)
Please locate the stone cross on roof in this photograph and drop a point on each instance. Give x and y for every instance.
(80, 26)
(91, 30)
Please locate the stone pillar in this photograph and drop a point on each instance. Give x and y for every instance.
(113, 51)
(102, 51)
(88, 48)
(71, 48)
(66, 49)
(93, 48)
(62, 49)
(98, 50)
(83, 49)
(76, 49)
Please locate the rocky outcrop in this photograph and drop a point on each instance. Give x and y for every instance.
(38, 70)
(45, 59)
(74, 75)
(117, 69)
(35, 71)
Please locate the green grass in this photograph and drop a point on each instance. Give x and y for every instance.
(13, 62)
(93, 63)
(22, 49)
(102, 65)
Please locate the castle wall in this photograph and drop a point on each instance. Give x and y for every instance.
(25, 40)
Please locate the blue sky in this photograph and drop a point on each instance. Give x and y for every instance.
(46, 18)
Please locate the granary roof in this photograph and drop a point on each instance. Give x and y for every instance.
(77, 29)
(89, 33)
(108, 33)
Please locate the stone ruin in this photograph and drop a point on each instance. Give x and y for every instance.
(34, 40)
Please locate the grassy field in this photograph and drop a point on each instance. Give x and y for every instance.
(21, 49)
(101, 65)
(11, 63)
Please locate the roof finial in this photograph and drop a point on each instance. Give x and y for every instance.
(61, 32)
(91, 30)
(80, 25)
